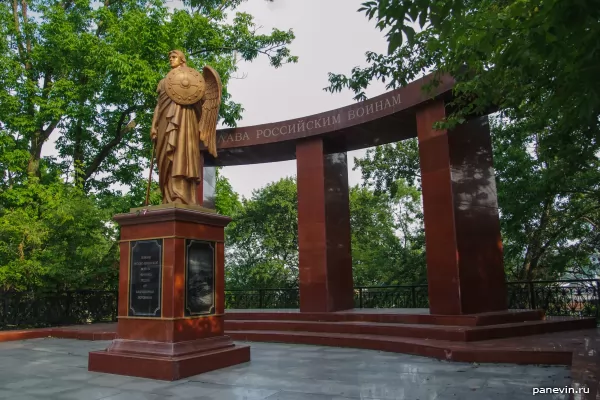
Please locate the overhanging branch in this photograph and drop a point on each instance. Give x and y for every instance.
(264, 51)
(48, 131)
(120, 132)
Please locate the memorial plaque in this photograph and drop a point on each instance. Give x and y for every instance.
(199, 277)
(145, 278)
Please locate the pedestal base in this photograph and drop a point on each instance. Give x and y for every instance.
(171, 296)
(162, 361)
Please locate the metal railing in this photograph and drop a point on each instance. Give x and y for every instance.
(399, 296)
(556, 298)
(262, 298)
(39, 309)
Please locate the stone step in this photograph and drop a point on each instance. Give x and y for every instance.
(528, 328)
(403, 316)
(454, 333)
(493, 351)
(423, 331)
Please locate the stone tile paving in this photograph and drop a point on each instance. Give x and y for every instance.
(53, 369)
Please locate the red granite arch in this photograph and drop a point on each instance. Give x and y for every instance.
(464, 247)
(387, 118)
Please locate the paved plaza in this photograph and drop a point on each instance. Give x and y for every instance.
(57, 369)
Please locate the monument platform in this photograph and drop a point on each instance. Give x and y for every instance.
(517, 336)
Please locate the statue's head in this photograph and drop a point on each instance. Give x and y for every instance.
(176, 58)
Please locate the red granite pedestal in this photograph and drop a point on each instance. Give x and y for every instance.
(182, 337)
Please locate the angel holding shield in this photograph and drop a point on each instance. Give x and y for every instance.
(186, 113)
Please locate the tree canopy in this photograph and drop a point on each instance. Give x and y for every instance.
(54, 236)
(536, 63)
(88, 71)
(531, 58)
(387, 238)
(263, 239)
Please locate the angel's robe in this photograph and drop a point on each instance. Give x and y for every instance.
(177, 148)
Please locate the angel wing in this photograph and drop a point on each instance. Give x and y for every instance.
(210, 109)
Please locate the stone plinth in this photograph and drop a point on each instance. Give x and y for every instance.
(171, 296)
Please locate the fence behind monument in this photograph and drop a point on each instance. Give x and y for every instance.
(45, 308)
(556, 298)
(38, 309)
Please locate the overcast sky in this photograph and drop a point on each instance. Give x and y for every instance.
(331, 36)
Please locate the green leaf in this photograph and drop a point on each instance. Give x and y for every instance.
(395, 41)
(423, 18)
(536, 64)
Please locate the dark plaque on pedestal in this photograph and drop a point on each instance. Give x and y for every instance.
(199, 277)
(145, 278)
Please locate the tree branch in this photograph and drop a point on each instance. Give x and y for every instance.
(223, 5)
(565, 225)
(120, 132)
(535, 249)
(15, 7)
(228, 48)
(48, 131)
(27, 38)
(588, 220)
(47, 83)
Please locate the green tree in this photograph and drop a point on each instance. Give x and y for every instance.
(550, 208)
(387, 236)
(55, 237)
(391, 180)
(227, 201)
(537, 62)
(263, 239)
(89, 71)
(531, 58)
(383, 166)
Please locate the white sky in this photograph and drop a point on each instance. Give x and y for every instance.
(331, 36)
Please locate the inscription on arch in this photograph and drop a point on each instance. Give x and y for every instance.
(317, 124)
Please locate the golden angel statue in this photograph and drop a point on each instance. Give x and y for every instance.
(186, 113)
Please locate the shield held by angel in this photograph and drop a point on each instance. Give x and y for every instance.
(185, 115)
